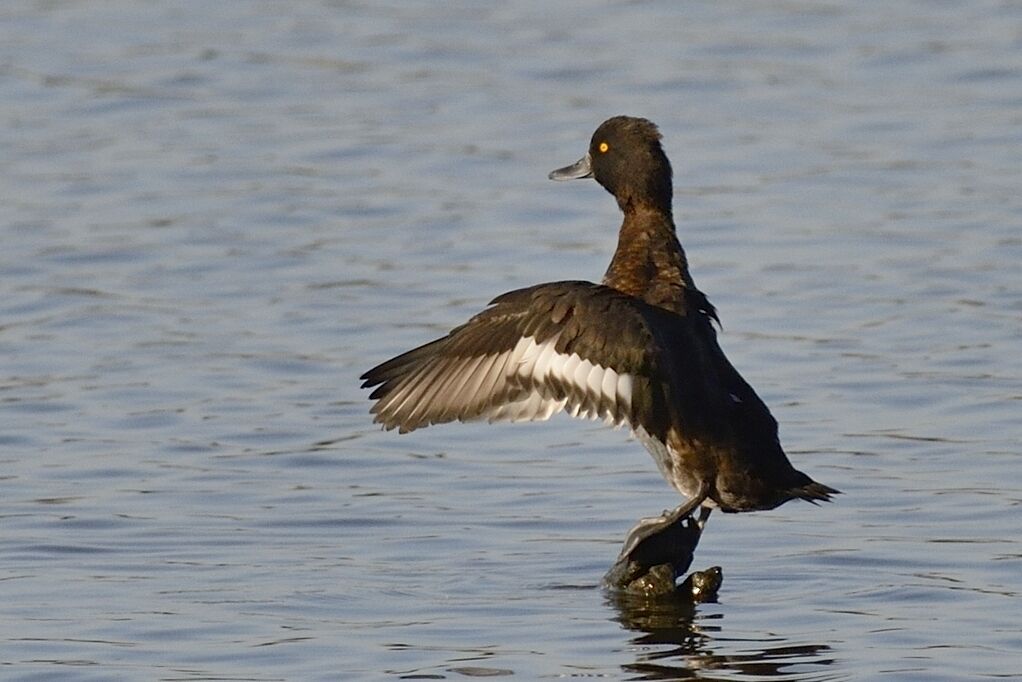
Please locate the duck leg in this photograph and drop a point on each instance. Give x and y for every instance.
(704, 516)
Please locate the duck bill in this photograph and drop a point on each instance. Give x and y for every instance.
(582, 168)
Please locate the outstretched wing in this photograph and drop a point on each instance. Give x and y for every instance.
(575, 346)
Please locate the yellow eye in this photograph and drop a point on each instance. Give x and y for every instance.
(604, 147)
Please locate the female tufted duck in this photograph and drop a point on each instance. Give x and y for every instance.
(639, 349)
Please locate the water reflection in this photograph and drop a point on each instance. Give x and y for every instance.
(678, 643)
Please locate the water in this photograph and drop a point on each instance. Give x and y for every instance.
(217, 215)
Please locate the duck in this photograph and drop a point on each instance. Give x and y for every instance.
(639, 349)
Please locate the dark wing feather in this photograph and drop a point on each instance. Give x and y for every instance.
(577, 346)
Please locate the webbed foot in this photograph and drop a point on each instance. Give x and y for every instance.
(656, 551)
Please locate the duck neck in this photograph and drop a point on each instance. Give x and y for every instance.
(649, 262)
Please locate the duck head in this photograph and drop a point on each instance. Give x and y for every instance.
(625, 156)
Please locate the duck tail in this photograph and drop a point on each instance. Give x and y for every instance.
(814, 492)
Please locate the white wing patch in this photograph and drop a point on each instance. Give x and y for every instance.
(594, 391)
(530, 382)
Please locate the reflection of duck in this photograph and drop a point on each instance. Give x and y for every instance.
(638, 349)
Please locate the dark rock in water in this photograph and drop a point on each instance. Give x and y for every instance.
(702, 586)
(660, 581)
(653, 582)
(651, 565)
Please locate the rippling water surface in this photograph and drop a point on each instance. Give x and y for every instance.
(217, 215)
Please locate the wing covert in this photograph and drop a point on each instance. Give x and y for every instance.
(575, 346)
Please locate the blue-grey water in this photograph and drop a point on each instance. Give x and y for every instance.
(217, 215)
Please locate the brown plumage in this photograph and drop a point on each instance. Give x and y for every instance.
(638, 349)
